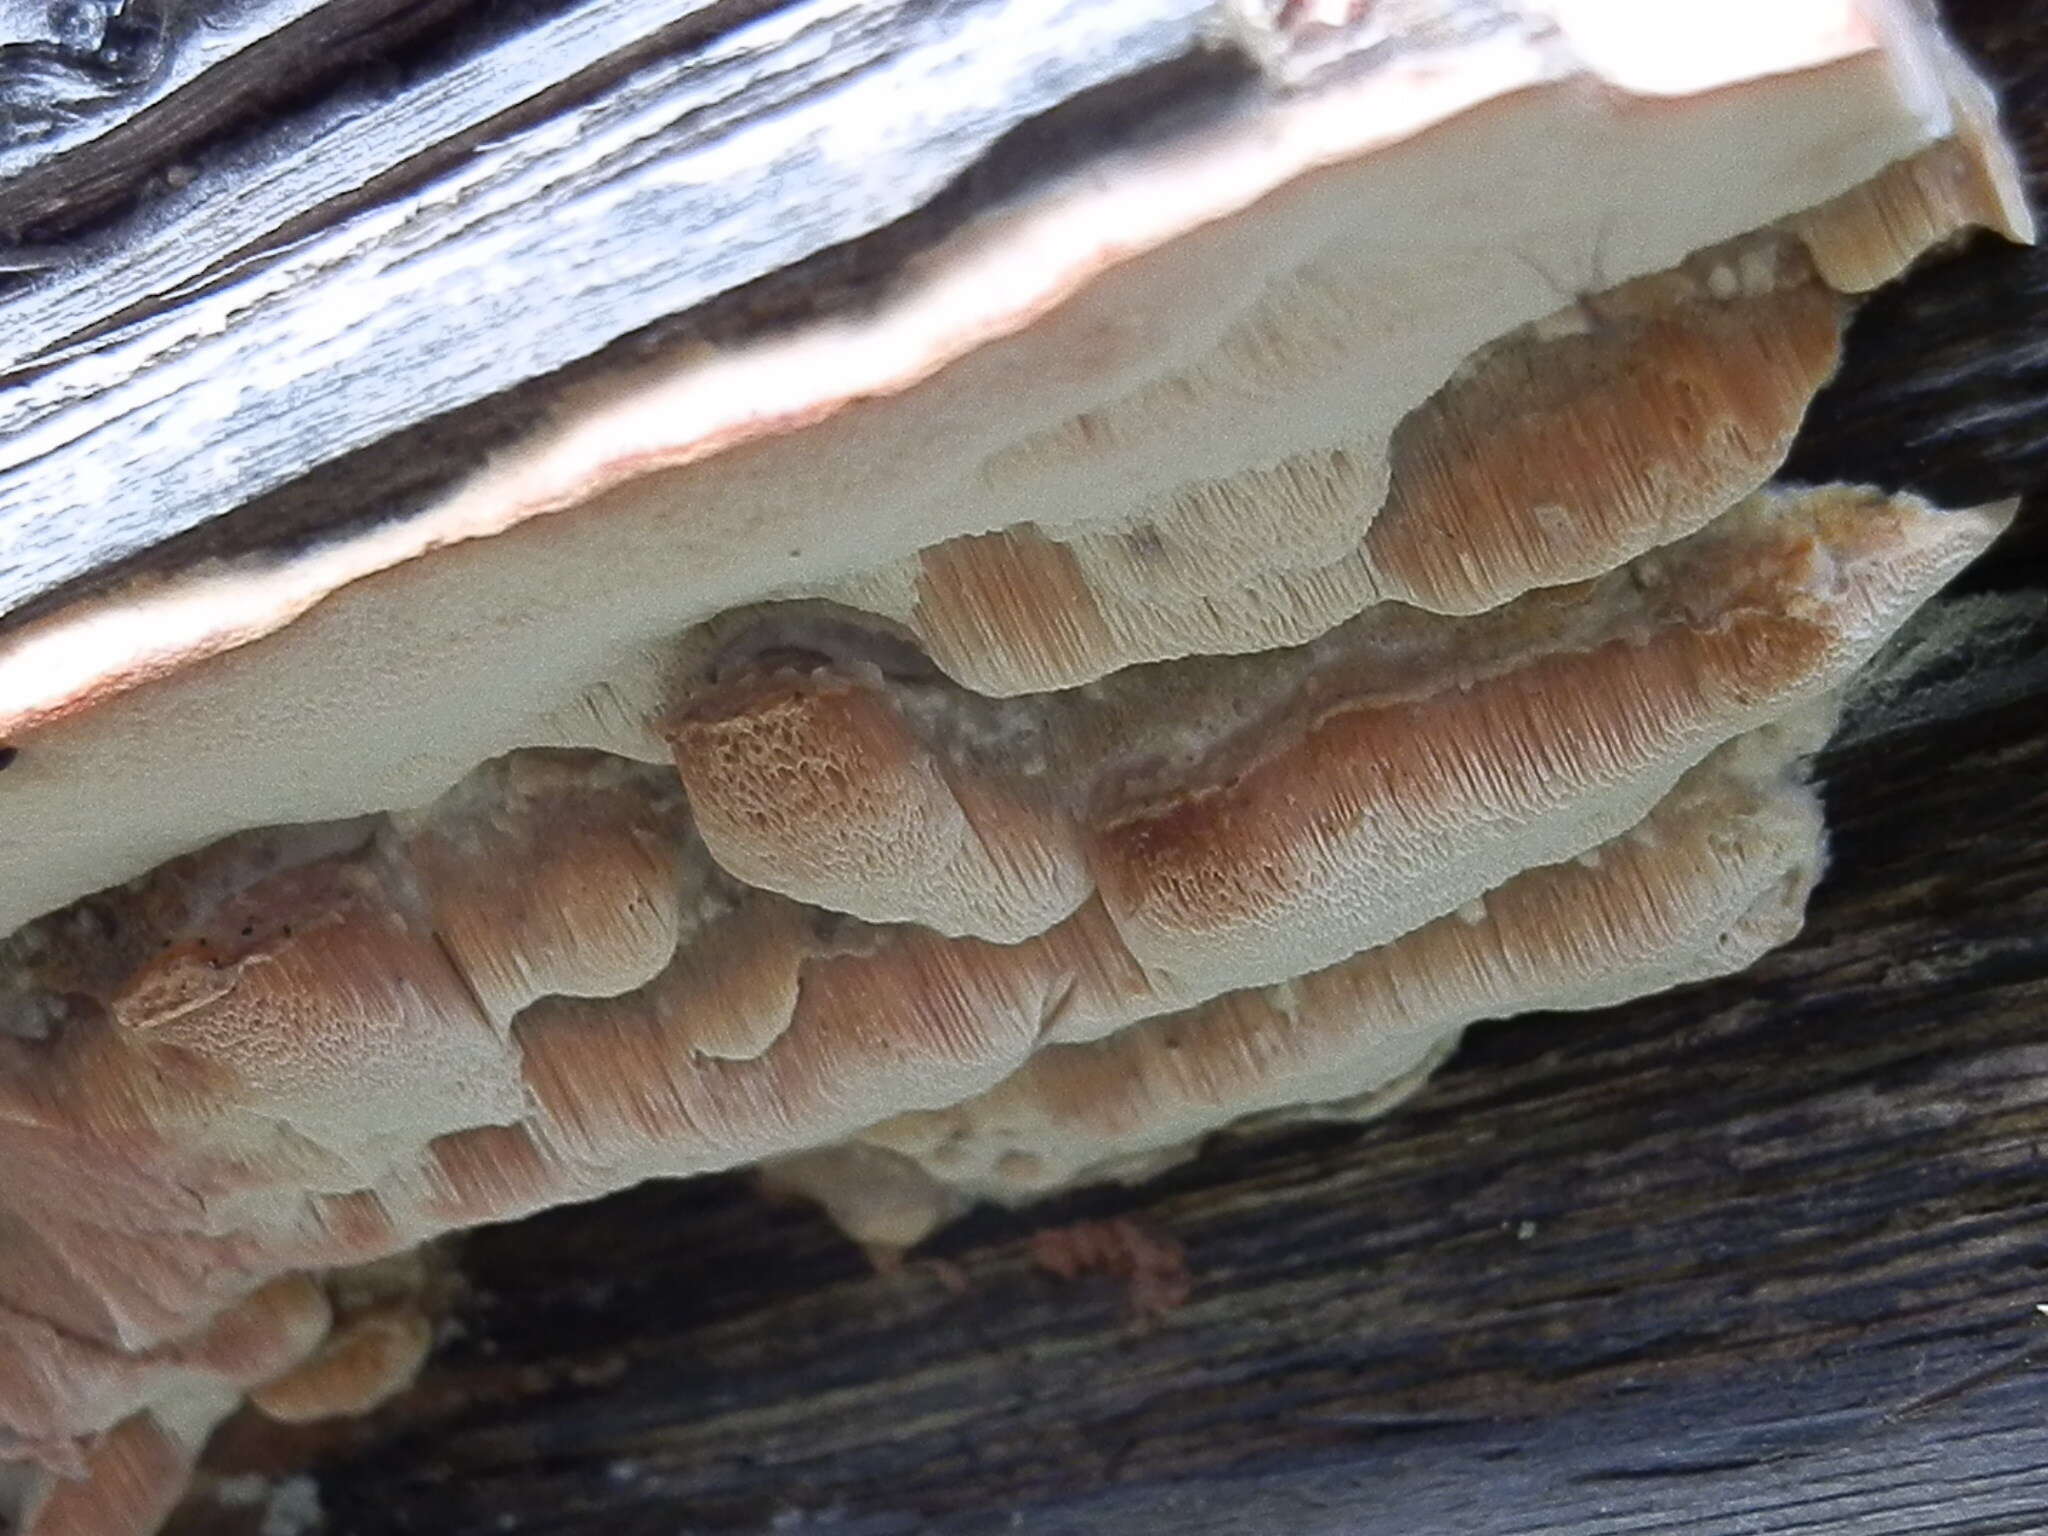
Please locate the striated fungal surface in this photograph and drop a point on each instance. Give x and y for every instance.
(1195, 646)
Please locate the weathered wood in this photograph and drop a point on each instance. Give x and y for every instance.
(319, 164)
(98, 98)
(537, 250)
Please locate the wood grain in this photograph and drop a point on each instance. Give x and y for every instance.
(101, 99)
(706, 169)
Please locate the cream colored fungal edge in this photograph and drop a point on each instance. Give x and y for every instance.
(1194, 646)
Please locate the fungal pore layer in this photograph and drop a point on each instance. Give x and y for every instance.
(1213, 628)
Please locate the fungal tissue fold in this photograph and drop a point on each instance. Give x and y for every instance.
(1204, 633)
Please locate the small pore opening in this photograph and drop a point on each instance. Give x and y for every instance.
(8, 755)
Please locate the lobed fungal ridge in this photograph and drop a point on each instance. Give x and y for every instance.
(994, 945)
(1029, 857)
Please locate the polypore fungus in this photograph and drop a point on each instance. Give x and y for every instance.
(1218, 625)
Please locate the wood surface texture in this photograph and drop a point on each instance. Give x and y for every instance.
(1766, 1256)
(184, 369)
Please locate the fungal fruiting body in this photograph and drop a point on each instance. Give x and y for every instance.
(1203, 638)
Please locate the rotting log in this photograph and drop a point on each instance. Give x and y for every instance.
(1765, 1255)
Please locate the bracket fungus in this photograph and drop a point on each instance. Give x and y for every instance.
(1215, 626)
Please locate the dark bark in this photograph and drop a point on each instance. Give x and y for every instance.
(1764, 1256)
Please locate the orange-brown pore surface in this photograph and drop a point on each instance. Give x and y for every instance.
(909, 944)
(310, 1047)
(1552, 455)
